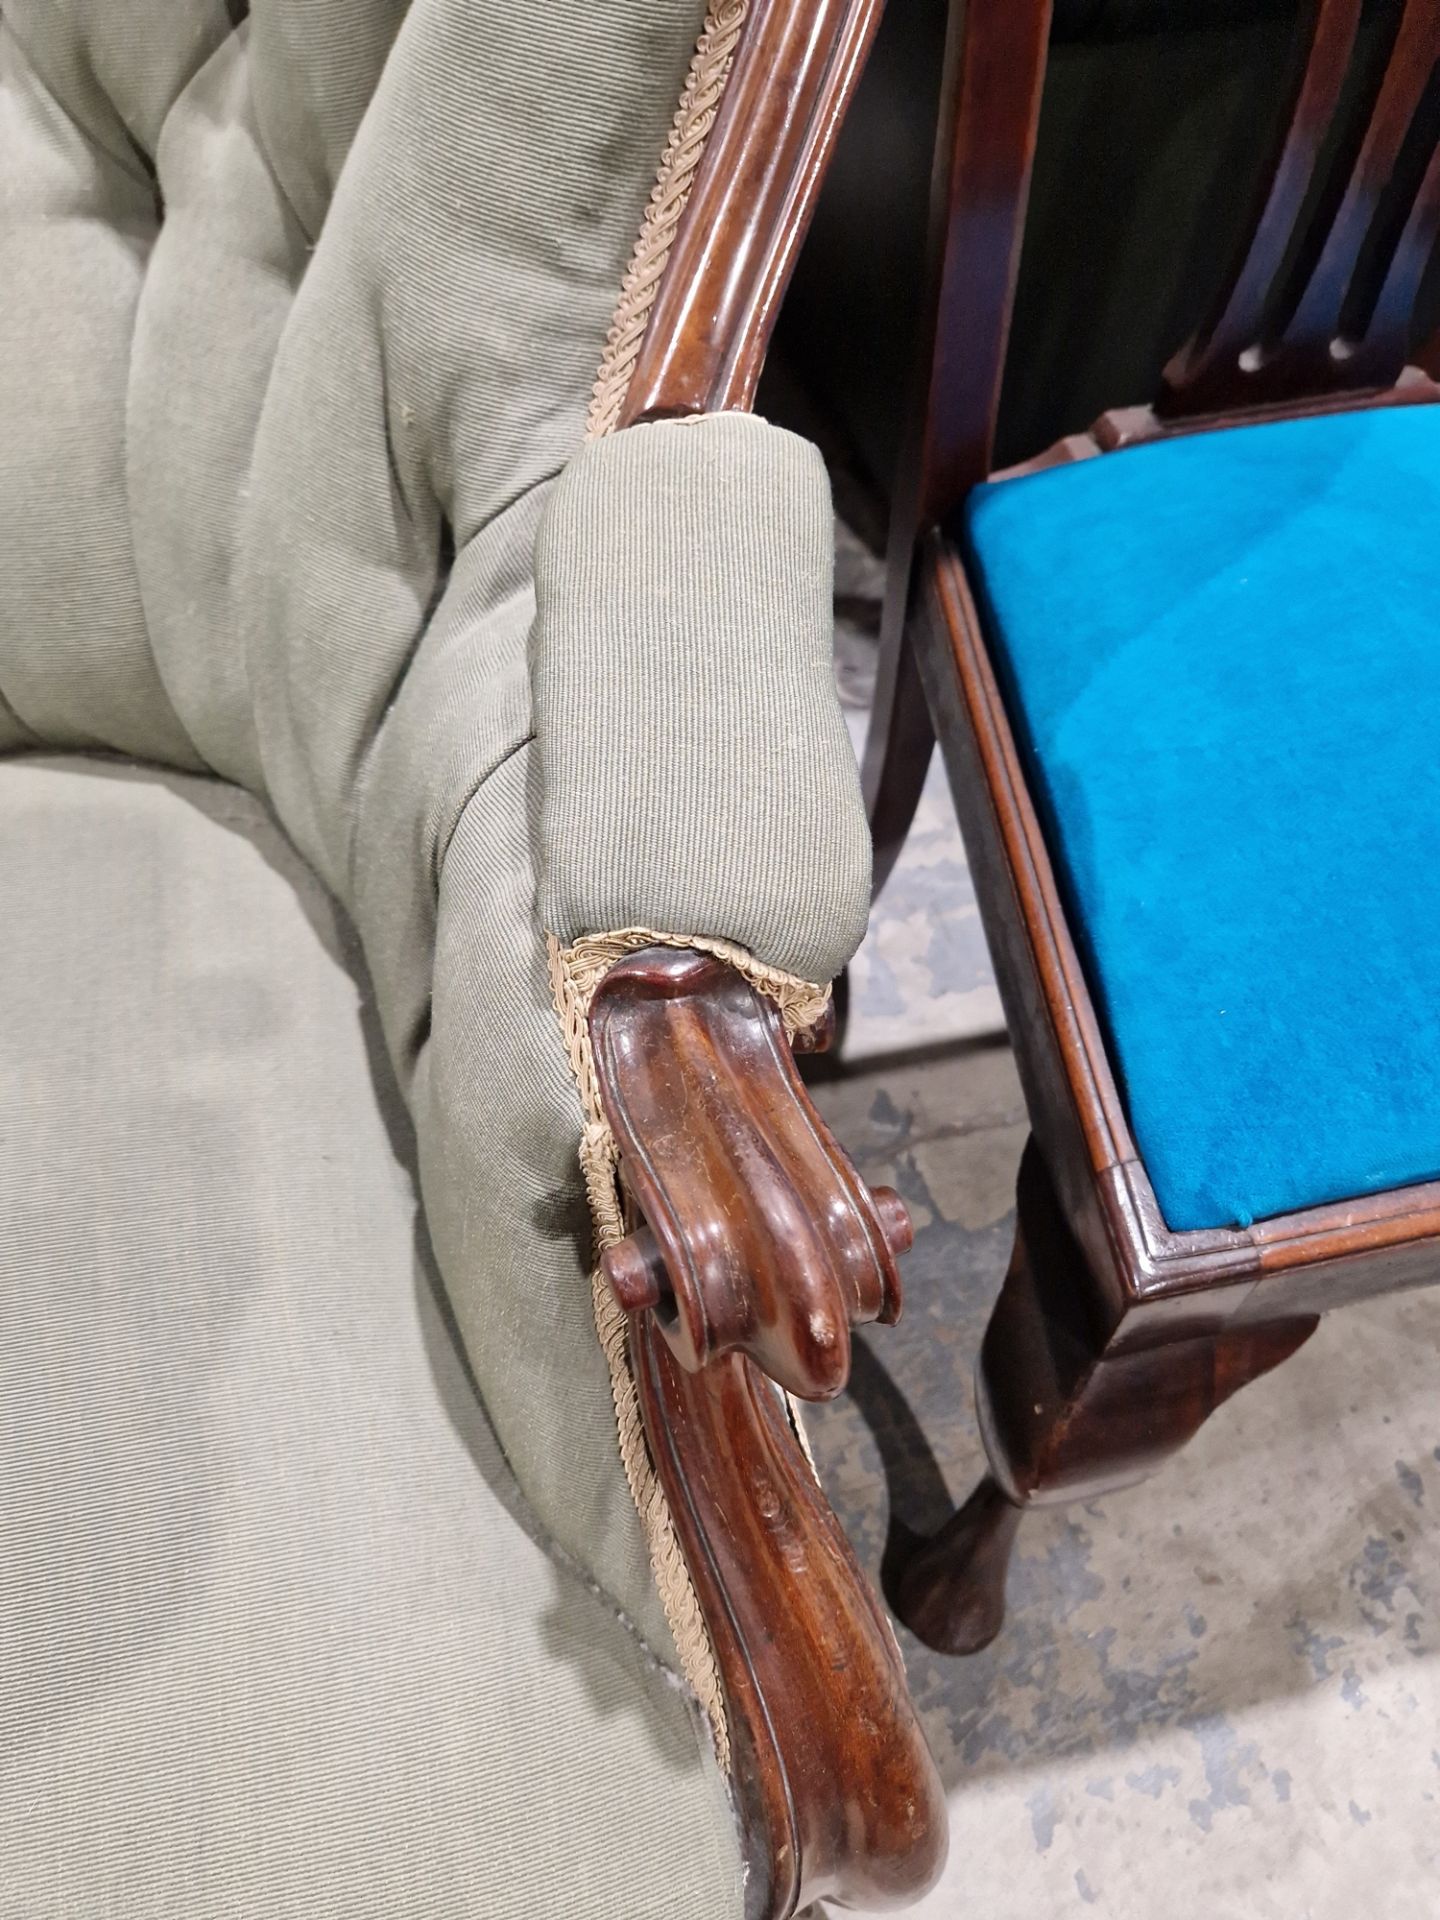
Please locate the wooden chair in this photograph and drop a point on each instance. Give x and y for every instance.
(1150, 655)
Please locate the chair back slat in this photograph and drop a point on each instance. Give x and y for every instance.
(1347, 326)
(995, 58)
(983, 183)
(1395, 305)
(1242, 302)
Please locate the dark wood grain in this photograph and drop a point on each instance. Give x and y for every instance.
(995, 64)
(1251, 352)
(1205, 370)
(759, 1237)
(792, 76)
(950, 1589)
(986, 151)
(757, 1246)
(835, 1785)
(1120, 427)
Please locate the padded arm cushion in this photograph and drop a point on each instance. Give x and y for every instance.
(695, 772)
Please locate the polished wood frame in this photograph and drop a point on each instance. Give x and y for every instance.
(755, 1246)
(1114, 1338)
(792, 77)
(984, 151)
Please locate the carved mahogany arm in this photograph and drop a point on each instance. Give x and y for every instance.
(759, 1247)
(759, 1235)
(794, 71)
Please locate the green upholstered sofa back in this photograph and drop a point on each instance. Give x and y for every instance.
(301, 310)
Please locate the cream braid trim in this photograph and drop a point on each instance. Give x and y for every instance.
(576, 970)
(704, 84)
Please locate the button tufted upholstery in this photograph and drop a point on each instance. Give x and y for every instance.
(301, 307)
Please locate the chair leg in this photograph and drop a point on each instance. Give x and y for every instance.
(898, 746)
(950, 1589)
(1069, 1408)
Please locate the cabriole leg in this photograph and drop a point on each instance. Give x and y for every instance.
(1068, 1409)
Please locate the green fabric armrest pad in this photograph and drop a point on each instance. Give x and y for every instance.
(695, 774)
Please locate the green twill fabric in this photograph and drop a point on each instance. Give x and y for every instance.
(298, 320)
(277, 1635)
(722, 542)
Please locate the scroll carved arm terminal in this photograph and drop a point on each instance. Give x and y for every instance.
(758, 1235)
(757, 1249)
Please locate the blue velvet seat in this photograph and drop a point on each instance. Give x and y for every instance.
(1222, 656)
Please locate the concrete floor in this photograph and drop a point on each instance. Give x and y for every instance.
(1217, 1694)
